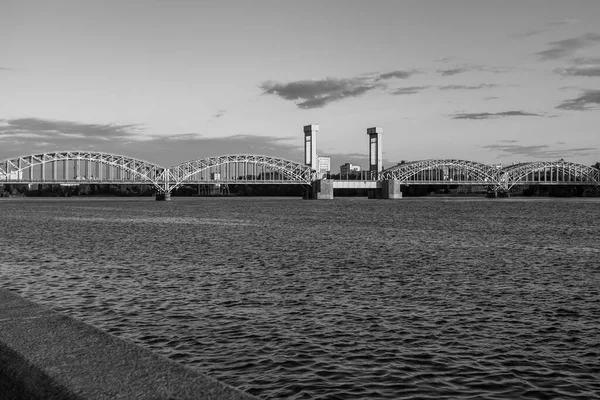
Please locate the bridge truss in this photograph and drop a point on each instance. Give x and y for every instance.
(84, 167)
(438, 172)
(241, 169)
(549, 173)
(77, 167)
(462, 172)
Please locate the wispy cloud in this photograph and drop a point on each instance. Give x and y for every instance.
(550, 26)
(467, 87)
(66, 130)
(589, 67)
(318, 93)
(467, 68)
(5, 69)
(540, 151)
(487, 115)
(408, 90)
(589, 100)
(491, 98)
(219, 114)
(454, 71)
(566, 48)
(399, 74)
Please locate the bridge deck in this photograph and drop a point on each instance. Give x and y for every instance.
(356, 184)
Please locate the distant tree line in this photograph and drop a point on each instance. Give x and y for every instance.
(75, 190)
(144, 190)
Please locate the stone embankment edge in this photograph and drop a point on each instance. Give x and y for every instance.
(47, 355)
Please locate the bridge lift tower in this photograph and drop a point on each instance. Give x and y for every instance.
(310, 146)
(375, 152)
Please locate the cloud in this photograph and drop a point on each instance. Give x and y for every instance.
(398, 74)
(219, 114)
(5, 69)
(565, 48)
(408, 90)
(589, 100)
(318, 93)
(491, 98)
(589, 67)
(540, 151)
(453, 71)
(550, 26)
(467, 87)
(479, 68)
(494, 115)
(444, 60)
(65, 130)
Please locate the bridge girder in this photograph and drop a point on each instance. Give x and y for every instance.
(432, 171)
(548, 172)
(142, 171)
(290, 171)
(453, 172)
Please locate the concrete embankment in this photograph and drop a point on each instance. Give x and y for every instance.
(47, 355)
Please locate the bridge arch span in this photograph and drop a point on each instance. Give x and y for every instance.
(558, 172)
(443, 171)
(241, 168)
(79, 166)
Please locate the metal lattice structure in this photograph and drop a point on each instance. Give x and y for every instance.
(549, 173)
(435, 172)
(76, 167)
(79, 167)
(241, 169)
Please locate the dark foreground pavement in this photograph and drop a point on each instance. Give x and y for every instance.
(46, 355)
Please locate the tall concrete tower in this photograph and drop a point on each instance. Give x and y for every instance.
(375, 150)
(310, 146)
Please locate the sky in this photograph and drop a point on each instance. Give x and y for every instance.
(168, 81)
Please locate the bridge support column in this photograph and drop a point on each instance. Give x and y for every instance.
(163, 196)
(165, 192)
(321, 189)
(390, 189)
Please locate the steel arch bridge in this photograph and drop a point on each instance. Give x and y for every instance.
(86, 167)
(90, 167)
(549, 173)
(463, 172)
(437, 171)
(76, 167)
(241, 169)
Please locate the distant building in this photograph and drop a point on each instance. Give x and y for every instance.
(348, 169)
(14, 175)
(324, 165)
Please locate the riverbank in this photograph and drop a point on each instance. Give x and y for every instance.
(47, 355)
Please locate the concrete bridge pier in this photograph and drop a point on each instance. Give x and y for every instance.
(163, 196)
(321, 189)
(389, 190)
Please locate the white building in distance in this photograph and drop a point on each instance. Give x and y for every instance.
(348, 168)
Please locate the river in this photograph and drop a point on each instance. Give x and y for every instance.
(351, 298)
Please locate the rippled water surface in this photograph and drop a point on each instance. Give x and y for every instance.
(351, 298)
